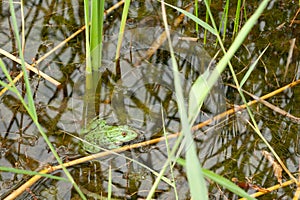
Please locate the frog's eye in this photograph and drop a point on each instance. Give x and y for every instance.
(124, 134)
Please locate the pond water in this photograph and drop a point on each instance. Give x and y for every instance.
(140, 93)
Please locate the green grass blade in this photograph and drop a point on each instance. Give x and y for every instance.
(225, 182)
(195, 19)
(251, 68)
(195, 96)
(221, 180)
(224, 20)
(195, 178)
(97, 18)
(169, 153)
(196, 14)
(237, 17)
(88, 64)
(29, 95)
(31, 173)
(206, 21)
(194, 170)
(122, 28)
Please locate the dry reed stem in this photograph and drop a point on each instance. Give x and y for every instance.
(290, 57)
(297, 193)
(153, 141)
(270, 189)
(271, 106)
(29, 67)
(241, 107)
(294, 18)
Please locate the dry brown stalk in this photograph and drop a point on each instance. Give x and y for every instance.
(290, 56)
(277, 169)
(271, 106)
(294, 18)
(241, 107)
(297, 193)
(270, 189)
(29, 67)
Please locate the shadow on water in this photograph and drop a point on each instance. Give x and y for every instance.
(138, 94)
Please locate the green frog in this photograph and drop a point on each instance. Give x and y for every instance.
(99, 134)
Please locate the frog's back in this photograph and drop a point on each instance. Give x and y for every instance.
(96, 140)
(99, 134)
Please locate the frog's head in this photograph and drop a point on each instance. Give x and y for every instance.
(121, 134)
(127, 134)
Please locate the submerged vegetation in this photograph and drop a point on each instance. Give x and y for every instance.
(147, 70)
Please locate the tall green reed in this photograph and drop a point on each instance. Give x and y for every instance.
(122, 29)
(237, 17)
(94, 37)
(196, 14)
(94, 34)
(94, 17)
(223, 21)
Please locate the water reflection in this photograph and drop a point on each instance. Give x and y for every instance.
(145, 90)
